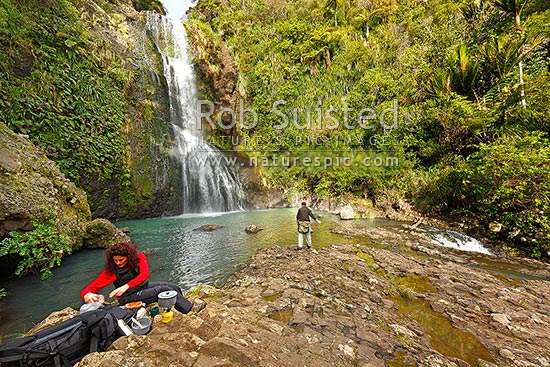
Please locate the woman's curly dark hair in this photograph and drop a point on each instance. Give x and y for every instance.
(121, 249)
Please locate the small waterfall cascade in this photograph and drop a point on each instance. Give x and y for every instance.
(452, 239)
(209, 178)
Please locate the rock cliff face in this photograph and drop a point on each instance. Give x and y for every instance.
(155, 176)
(386, 303)
(217, 73)
(32, 188)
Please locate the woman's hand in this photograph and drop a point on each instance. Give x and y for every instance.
(91, 297)
(119, 291)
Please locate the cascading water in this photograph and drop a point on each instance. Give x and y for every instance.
(209, 179)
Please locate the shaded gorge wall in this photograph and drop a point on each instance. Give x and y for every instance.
(153, 177)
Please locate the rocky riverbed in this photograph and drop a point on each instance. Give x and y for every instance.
(382, 302)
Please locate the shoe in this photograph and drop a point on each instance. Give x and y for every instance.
(198, 306)
(300, 248)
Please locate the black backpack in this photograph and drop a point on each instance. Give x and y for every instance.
(66, 343)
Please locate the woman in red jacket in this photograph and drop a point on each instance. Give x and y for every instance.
(128, 271)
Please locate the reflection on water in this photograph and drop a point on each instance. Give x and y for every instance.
(444, 337)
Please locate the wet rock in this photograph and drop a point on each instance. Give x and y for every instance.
(208, 227)
(251, 228)
(150, 251)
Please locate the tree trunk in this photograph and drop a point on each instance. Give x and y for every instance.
(523, 102)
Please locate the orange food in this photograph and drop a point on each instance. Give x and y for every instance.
(134, 304)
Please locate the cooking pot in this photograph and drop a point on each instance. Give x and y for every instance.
(167, 299)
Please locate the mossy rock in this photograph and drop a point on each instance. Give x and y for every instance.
(33, 190)
(101, 233)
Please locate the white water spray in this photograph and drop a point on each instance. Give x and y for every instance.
(456, 240)
(210, 181)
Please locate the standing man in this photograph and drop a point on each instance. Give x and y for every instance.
(302, 218)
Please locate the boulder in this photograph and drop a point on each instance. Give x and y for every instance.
(101, 233)
(252, 228)
(208, 227)
(347, 213)
(150, 251)
(9, 160)
(54, 318)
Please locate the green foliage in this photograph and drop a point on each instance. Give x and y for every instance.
(451, 67)
(507, 181)
(66, 89)
(154, 5)
(39, 250)
(69, 99)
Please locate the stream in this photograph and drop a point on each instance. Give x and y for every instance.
(187, 256)
(182, 255)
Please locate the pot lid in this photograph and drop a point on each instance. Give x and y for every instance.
(167, 294)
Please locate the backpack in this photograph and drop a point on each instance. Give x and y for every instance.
(66, 343)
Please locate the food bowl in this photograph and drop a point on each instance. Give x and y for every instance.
(146, 326)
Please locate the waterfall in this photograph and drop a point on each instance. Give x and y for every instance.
(209, 178)
(453, 239)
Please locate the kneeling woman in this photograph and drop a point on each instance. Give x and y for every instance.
(128, 270)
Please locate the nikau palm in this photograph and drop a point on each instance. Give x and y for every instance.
(515, 8)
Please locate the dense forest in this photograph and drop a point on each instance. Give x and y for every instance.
(442, 102)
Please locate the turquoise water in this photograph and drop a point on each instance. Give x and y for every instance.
(188, 257)
(182, 255)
